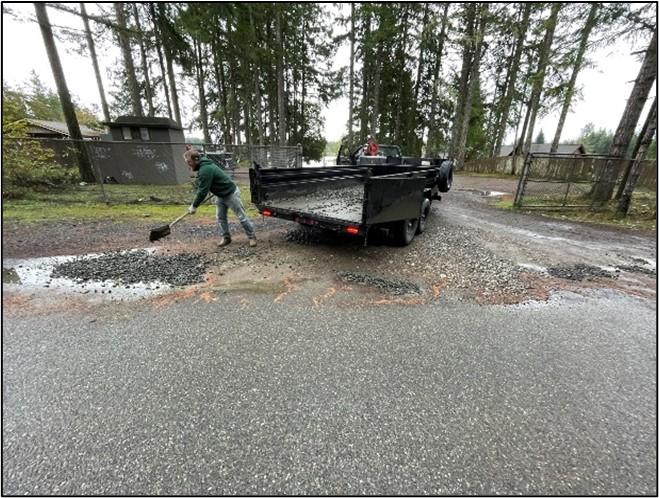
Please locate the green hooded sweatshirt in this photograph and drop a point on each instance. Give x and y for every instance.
(211, 177)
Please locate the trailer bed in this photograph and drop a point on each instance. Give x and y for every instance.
(345, 204)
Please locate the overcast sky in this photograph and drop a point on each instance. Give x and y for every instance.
(606, 87)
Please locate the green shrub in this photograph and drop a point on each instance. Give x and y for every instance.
(26, 164)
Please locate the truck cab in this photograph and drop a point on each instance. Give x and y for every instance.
(389, 155)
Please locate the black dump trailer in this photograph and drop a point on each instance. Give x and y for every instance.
(356, 200)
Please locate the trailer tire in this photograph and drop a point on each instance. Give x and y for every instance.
(423, 217)
(404, 231)
(446, 182)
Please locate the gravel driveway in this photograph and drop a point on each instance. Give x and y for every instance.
(469, 251)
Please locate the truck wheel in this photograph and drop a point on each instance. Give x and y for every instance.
(425, 211)
(445, 183)
(404, 231)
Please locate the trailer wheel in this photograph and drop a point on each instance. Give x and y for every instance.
(425, 211)
(404, 231)
(446, 182)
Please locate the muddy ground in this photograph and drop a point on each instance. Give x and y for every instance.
(470, 251)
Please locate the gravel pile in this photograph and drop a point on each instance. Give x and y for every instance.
(578, 272)
(135, 267)
(457, 256)
(392, 286)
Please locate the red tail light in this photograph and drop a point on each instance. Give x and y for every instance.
(352, 230)
(266, 212)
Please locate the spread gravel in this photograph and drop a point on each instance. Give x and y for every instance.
(392, 286)
(578, 272)
(638, 269)
(134, 267)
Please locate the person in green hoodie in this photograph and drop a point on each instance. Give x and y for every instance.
(211, 178)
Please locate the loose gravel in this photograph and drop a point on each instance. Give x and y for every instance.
(579, 272)
(134, 267)
(638, 269)
(311, 236)
(457, 257)
(343, 204)
(392, 286)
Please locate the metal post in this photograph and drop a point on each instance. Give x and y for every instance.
(97, 169)
(519, 195)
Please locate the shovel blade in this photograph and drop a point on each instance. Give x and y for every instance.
(159, 233)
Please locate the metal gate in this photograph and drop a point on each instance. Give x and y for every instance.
(563, 181)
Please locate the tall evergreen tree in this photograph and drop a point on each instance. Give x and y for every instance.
(84, 164)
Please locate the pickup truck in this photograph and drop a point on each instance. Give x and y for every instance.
(388, 192)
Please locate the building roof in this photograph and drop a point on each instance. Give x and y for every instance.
(507, 150)
(149, 122)
(60, 128)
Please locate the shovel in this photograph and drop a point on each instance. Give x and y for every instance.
(163, 231)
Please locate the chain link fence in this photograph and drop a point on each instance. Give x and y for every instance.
(565, 181)
(155, 165)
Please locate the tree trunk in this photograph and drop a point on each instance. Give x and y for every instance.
(84, 164)
(257, 87)
(351, 96)
(502, 123)
(169, 59)
(431, 145)
(218, 68)
(463, 82)
(248, 122)
(97, 71)
(124, 42)
(590, 22)
(538, 83)
(281, 94)
(373, 128)
(233, 101)
(363, 118)
(400, 61)
(474, 75)
(156, 34)
(203, 112)
(645, 140)
(644, 80)
(422, 49)
(637, 147)
(145, 63)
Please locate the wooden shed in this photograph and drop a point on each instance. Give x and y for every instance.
(146, 150)
(39, 128)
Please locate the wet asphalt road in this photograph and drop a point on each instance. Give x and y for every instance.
(263, 398)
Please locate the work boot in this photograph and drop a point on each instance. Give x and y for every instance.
(225, 241)
(252, 242)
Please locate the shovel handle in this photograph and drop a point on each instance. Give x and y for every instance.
(178, 219)
(185, 214)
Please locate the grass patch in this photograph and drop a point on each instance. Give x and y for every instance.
(85, 203)
(642, 213)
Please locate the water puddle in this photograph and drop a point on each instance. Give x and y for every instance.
(532, 267)
(485, 193)
(35, 274)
